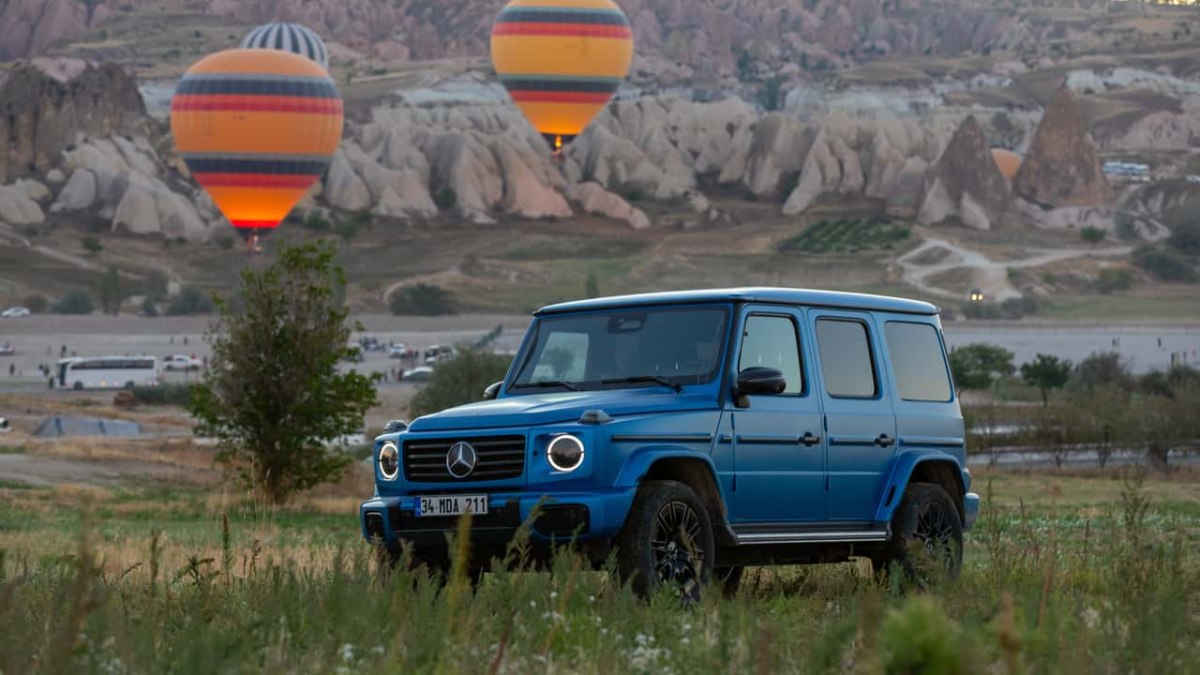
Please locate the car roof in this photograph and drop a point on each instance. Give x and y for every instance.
(783, 296)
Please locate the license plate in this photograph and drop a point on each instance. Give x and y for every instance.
(452, 505)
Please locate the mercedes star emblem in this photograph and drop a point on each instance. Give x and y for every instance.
(461, 459)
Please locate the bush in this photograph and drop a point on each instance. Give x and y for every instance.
(191, 300)
(1046, 372)
(1092, 235)
(149, 307)
(1185, 238)
(1103, 369)
(164, 394)
(423, 300)
(38, 304)
(1164, 265)
(459, 381)
(75, 302)
(1110, 280)
(92, 245)
(1016, 308)
(445, 198)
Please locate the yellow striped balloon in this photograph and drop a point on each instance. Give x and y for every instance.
(562, 61)
(256, 128)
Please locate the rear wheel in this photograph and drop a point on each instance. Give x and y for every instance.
(667, 541)
(927, 540)
(78, 386)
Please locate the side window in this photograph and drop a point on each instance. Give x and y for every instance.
(846, 358)
(771, 342)
(918, 361)
(564, 358)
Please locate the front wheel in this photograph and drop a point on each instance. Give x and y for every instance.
(667, 541)
(927, 538)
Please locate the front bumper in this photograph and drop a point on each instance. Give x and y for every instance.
(970, 509)
(563, 517)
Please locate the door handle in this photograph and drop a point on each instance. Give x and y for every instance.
(884, 441)
(809, 440)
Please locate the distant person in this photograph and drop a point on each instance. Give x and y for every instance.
(1160, 343)
(185, 339)
(12, 369)
(50, 385)
(62, 353)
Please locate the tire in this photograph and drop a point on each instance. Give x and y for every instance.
(667, 541)
(927, 539)
(78, 386)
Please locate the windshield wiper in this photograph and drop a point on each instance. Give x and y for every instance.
(641, 379)
(547, 384)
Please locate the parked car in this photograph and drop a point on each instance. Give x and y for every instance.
(697, 433)
(419, 374)
(7, 349)
(398, 351)
(15, 313)
(181, 362)
(5, 427)
(438, 354)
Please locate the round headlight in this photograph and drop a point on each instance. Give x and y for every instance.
(565, 453)
(389, 461)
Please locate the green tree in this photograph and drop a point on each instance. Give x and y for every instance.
(75, 302)
(92, 245)
(1185, 237)
(423, 300)
(1046, 372)
(110, 292)
(273, 396)
(459, 381)
(1119, 279)
(1164, 265)
(976, 366)
(591, 286)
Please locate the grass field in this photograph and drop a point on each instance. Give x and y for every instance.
(1087, 574)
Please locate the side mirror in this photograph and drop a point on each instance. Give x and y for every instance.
(758, 381)
(395, 425)
(492, 391)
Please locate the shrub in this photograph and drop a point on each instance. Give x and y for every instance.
(423, 300)
(1119, 279)
(38, 304)
(75, 302)
(459, 381)
(191, 300)
(1164, 265)
(164, 394)
(92, 245)
(1092, 235)
(1016, 308)
(1185, 238)
(1046, 372)
(445, 198)
(1103, 369)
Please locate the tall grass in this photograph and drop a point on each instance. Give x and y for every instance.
(1115, 591)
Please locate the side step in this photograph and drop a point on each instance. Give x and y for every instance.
(810, 536)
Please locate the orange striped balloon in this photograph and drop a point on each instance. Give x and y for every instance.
(257, 128)
(562, 61)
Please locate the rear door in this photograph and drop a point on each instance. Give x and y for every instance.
(859, 420)
(779, 452)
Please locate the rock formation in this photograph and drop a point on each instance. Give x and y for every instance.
(50, 105)
(966, 185)
(1061, 168)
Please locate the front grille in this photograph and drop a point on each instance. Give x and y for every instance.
(499, 458)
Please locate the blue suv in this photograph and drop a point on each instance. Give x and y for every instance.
(696, 433)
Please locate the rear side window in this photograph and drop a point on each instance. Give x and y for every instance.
(846, 359)
(918, 361)
(770, 342)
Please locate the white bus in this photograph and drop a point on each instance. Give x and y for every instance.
(107, 372)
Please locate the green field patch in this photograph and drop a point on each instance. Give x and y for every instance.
(846, 236)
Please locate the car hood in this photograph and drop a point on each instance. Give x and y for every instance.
(551, 408)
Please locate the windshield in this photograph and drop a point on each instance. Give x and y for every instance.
(624, 348)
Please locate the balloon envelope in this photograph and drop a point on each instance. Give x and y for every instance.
(1007, 161)
(289, 37)
(562, 61)
(257, 128)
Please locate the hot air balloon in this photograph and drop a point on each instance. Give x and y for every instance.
(1007, 161)
(561, 61)
(257, 128)
(289, 37)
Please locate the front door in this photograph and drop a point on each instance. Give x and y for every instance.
(859, 420)
(779, 452)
